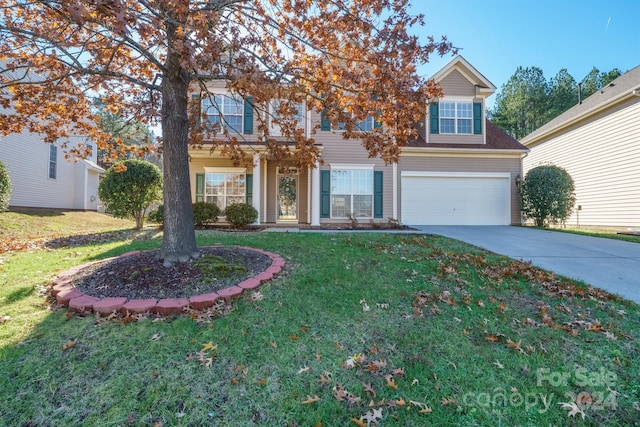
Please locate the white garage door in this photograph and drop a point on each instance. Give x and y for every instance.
(450, 199)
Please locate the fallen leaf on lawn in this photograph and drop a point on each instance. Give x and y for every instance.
(400, 402)
(424, 409)
(339, 393)
(415, 382)
(69, 344)
(238, 368)
(610, 336)
(636, 406)
(305, 368)
(492, 338)
(398, 371)
(359, 422)
(369, 389)
(311, 399)
(318, 356)
(517, 346)
(324, 379)
(274, 344)
(209, 346)
(447, 401)
(498, 364)
(257, 296)
(234, 381)
(319, 424)
(4, 319)
(391, 382)
(294, 337)
(156, 337)
(372, 416)
(573, 409)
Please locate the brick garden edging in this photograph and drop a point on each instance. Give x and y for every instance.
(66, 294)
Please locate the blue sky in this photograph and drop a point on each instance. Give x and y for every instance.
(497, 36)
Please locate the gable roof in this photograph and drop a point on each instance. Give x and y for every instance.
(625, 86)
(497, 139)
(469, 72)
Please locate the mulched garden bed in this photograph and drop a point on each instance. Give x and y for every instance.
(141, 276)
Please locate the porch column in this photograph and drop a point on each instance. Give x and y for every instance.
(257, 187)
(315, 195)
(395, 191)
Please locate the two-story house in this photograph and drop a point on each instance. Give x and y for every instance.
(461, 169)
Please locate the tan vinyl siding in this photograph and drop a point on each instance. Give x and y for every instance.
(456, 84)
(303, 196)
(272, 191)
(464, 164)
(602, 155)
(338, 150)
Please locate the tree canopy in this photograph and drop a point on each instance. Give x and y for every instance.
(144, 58)
(528, 100)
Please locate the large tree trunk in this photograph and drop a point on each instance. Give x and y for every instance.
(179, 238)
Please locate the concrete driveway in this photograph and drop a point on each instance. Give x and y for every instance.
(609, 264)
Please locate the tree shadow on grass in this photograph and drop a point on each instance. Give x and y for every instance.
(149, 237)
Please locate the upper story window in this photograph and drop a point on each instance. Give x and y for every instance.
(456, 117)
(53, 161)
(225, 112)
(366, 125)
(298, 116)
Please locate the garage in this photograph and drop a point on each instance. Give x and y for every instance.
(443, 198)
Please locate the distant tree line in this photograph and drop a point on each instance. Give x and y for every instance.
(528, 100)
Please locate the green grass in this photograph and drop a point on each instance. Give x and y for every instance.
(420, 319)
(595, 232)
(30, 223)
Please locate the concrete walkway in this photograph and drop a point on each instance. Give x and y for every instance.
(609, 264)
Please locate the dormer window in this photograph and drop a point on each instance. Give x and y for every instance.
(453, 117)
(456, 117)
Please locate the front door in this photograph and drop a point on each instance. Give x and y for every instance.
(287, 196)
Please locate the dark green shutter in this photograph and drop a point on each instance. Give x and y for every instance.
(248, 115)
(249, 198)
(325, 123)
(477, 118)
(434, 118)
(377, 194)
(195, 98)
(325, 194)
(199, 187)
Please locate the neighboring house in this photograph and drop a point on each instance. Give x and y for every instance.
(598, 143)
(42, 177)
(460, 170)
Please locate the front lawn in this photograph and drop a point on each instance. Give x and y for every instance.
(391, 329)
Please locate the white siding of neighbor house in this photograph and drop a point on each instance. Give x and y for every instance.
(26, 157)
(602, 155)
